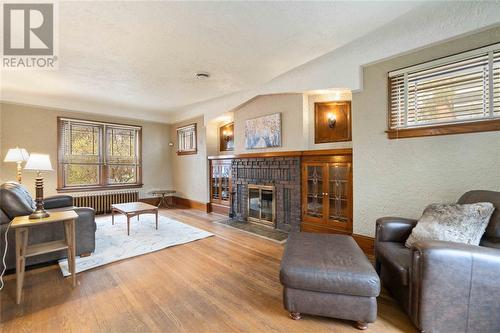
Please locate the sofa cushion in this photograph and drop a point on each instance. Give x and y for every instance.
(328, 263)
(397, 258)
(491, 237)
(452, 223)
(15, 200)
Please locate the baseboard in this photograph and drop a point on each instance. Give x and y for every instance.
(219, 209)
(152, 201)
(188, 203)
(367, 244)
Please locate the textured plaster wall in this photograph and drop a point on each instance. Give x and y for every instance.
(400, 177)
(190, 172)
(290, 106)
(35, 129)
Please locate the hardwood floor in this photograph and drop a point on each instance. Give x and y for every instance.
(226, 283)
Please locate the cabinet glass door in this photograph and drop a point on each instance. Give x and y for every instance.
(215, 182)
(338, 195)
(225, 176)
(314, 190)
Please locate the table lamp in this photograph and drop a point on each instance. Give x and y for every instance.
(39, 163)
(18, 155)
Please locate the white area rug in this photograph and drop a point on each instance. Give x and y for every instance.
(113, 244)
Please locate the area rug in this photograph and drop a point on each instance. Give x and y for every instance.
(113, 244)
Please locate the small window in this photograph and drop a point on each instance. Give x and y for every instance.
(457, 94)
(186, 140)
(95, 155)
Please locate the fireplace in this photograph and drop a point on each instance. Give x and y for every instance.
(261, 205)
(267, 191)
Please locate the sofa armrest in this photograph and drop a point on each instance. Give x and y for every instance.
(455, 281)
(393, 229)
(58, 201)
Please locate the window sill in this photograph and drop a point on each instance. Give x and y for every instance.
(472, 127)
(97, 188)
(187, 152)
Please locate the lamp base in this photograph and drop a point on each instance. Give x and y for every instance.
(39, 214)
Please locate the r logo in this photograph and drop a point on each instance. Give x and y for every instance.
(28, 29)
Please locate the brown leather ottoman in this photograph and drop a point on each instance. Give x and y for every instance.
(328, 275)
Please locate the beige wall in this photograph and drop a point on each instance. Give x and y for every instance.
(190, 172)
(35, 129)
(290, 106)
(400, 177)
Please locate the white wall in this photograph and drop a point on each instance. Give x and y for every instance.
(35, 129)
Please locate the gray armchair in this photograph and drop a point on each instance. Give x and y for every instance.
(443, 286)
(15, 200)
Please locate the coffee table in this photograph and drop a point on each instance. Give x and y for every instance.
(131, 209)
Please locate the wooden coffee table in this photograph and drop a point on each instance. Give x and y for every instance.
(131, 209)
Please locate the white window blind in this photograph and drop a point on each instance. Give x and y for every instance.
(457, 89)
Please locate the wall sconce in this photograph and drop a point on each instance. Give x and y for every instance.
(331, 119)
(226, 135)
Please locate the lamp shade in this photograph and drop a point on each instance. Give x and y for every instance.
(39, 162)
(16, 155)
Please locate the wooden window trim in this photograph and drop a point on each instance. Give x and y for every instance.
(188, 152)
(462, 128)
(486, 124)
(102, 169)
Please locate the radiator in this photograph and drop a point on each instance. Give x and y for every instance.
(101, 202)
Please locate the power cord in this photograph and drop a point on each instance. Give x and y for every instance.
(4, 256)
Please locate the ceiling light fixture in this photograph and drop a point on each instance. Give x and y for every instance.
(202, 75)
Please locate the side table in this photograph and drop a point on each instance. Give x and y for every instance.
(21, 225)
(164, 194)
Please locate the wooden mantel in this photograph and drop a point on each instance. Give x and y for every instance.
(293, 153)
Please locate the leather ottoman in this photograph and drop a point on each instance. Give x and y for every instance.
(328, 275)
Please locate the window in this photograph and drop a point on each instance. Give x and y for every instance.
(457, 94)
(98, 155)
(186, 140)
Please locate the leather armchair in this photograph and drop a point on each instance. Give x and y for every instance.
(15, 200)
(443, 286)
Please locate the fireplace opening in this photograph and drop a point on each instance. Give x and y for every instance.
(261, 205)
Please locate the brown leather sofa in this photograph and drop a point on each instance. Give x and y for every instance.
(16, 201)
(443, 286)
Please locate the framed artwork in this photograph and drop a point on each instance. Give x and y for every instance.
(263, 132)
(186, 140)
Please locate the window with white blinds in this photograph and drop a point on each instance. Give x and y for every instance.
(97, 154)
(463, 88)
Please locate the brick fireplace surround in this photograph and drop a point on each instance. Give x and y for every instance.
(281, 172)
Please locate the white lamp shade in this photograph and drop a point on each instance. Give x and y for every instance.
(39, 162)
(16, 155)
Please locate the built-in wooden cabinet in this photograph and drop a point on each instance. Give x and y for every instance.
(220, 185)
(327, 193)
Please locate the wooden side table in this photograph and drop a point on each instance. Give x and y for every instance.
(21, 225)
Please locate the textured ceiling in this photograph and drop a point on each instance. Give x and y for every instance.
(138, 59)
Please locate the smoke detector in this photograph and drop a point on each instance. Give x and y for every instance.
(202, 75)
